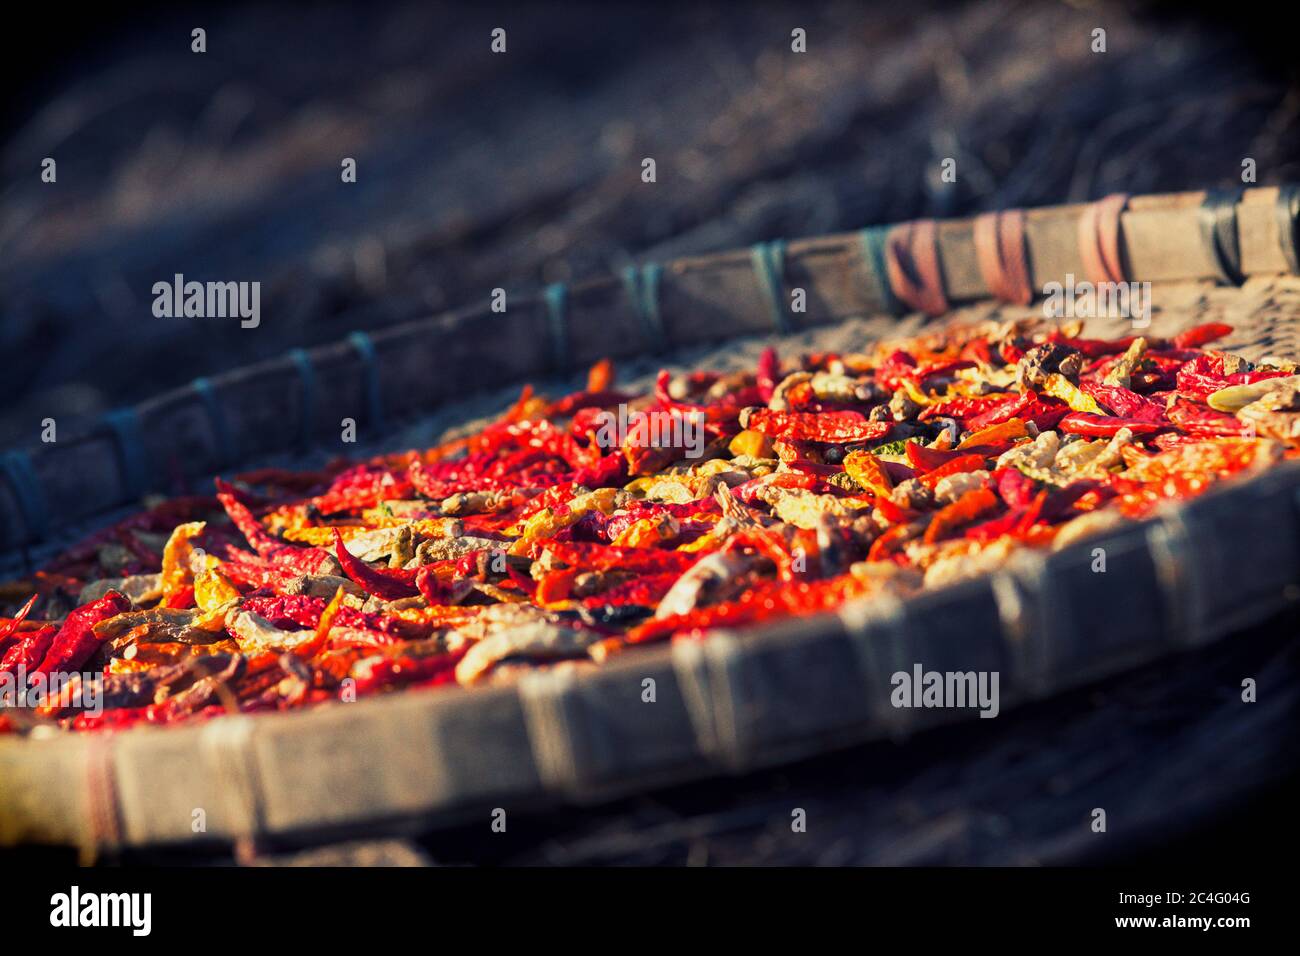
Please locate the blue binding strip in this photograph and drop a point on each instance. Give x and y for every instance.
(125, 427)
(769, 269)
(1218, 223)
(307, 399)
(642, 287)
(556, 297)
(873, 253)
(374, 399)
(1288, 225)
(226, 452)
(28, 492)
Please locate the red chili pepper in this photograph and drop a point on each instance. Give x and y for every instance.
(1169, 440)
(9, 627)
(769, 374)
(996, 527)
(376, 673)
(931, 369)
(1124, 402)
(302, 611)
(762, 602)
(1205, 422)
(604, 557)
(645, 591)
(76, 640)
(555, 586)
(769, 544)
(300, 560)
(595, 401)
(962, 463)
(609, 471)
(963, 409)
(1060, 503)
(1105, 426)
(835, 427)
(715, 413)
(1005, 409)
(390, 584)
(1044, 412)
(1092, 348)
(894, 513)
(893, 370)
(977, 350)
(29, 651)
(248, 570)
(363, 486)
(182, 597)
(622, 520)
(975, 503)
(1203, 376)
(1201, 335)
(433, 590)
(1031, 515)
(1015, 487)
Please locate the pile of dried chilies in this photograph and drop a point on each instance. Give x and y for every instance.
(536, 542)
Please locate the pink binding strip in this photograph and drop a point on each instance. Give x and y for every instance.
(1099, 239)
(1002, 256)
(912, 262)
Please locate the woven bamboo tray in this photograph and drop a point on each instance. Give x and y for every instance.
(733, 702)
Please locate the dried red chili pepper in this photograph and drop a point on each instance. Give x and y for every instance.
(894, 369)
(1124, 402)
(954, 466)
(1015, 487)
(769, 374)
(934, 369)
(299, 560)
(974, 504)
(1204, 422)
(1105, 426)
(27, 653)
(76, 640)
(10, 627)
(889, 542)
(762, 602)
(1031, 514)
(894, 513)
(644, 591)
(1029, 406)
(962, 409)
(978, 350)
(1204, 375)
(837, 427)
(604, 557)
(1092, 348)
(390, 584)
(1201, 335)
(376, 673)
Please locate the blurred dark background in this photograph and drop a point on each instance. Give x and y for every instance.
(477, 170)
